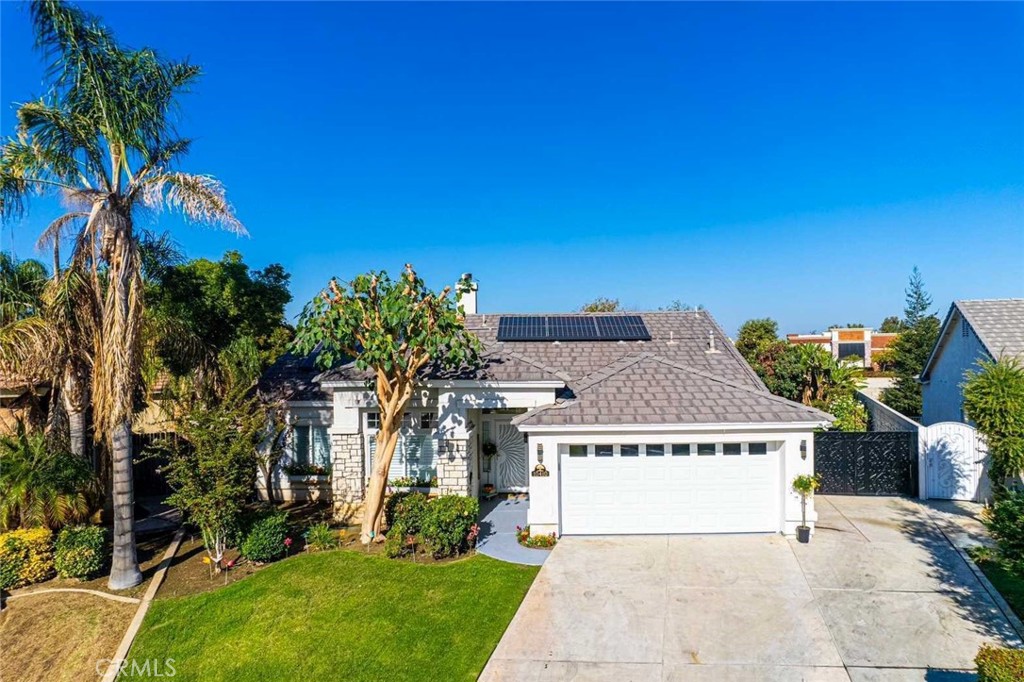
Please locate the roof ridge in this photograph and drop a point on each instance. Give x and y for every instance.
(624, 362)
(768, 395)
(736, 353)
(535, 363)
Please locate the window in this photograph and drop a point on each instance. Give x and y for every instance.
(706, 450)
(373, 420)
(577, 450)
(603, 450)
(312, 446)
(415, 457)
(848, 350)
(732, 449)
(681, 450)
(758, 448)
(964, 329)
(654, 450)
(629, 450)
(427, 420)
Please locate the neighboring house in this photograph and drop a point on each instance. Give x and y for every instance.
(972, 331)
(16, 400)
(848, 343)
(613, 423)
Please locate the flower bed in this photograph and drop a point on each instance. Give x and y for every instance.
(535, 541)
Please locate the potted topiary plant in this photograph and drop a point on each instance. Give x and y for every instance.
(804, 485)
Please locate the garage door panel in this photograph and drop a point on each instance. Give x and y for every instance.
(718, 494)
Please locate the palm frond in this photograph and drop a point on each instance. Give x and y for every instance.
(200, 198)
(56, 231)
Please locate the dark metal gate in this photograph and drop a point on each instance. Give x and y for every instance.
(859, 463)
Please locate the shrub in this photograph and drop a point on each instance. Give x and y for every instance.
(267, 537)
(1006, 523)
(999, 665)
(994, 401)
(320, 537)
(448, 522)
(26, 557)
(405, 513)
(80, 552)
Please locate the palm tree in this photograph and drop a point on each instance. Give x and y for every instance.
(21, 287)
(104, 140)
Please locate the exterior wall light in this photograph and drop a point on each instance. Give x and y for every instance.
(540, 452)
(803, 449)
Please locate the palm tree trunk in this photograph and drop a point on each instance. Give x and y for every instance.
(124, 570)
(76, 431)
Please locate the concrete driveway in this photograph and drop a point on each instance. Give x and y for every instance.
(880, 594)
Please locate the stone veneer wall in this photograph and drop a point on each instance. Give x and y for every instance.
(348, 477)
(453, 468)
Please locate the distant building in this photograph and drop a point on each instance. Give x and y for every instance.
(973, 330)
(848, 343)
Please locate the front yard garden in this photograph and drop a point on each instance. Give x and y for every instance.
(340, 615)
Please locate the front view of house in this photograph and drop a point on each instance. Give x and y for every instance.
(613, 423)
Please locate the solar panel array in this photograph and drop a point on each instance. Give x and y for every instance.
(572, 328)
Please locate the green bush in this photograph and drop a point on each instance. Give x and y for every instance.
(406, 511)
(1006, 523)
(266, 537)
(80, 552)
(999, 665)
(320, 537)
(448, 521)
(26, 557)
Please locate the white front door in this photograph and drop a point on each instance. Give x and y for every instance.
(505, 470)
(676, 491)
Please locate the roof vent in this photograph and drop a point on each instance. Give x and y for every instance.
(672, 338)
(711, 343)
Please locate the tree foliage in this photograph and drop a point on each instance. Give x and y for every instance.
(602, 305)
(393, 330)
(994, 401)
(21, 288)
(891, 325)
(911, 349)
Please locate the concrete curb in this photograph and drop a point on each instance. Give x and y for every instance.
(1001, 603)
(133, 629)
(96, 593)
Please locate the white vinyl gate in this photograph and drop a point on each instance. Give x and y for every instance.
(953, 455)
(670, 494)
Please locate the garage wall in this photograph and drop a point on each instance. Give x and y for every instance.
(544, 514)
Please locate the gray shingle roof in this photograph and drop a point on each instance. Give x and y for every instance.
(291, 377)
(648, 389)
(999, 323)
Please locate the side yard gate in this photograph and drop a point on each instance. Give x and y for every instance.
(867, 463)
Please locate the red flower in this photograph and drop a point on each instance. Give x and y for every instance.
(231, 564)
(287, 542)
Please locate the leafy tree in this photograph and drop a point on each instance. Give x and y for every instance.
(41, 485)
(850, 414)
(848, 325)
(21, 288)
(911, 349)
(103, 139)
(891, 325)
(394, 330)
(754, 335)
(678, 305)
(994, 401)
(602, 305)
(220, 302)
(884, 359)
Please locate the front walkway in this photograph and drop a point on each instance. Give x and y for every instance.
(879, 595)
(499, 518)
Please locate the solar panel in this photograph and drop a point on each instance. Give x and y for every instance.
(572, 328)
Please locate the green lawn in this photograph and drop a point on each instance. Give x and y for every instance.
(340, 615)
(1009, 584)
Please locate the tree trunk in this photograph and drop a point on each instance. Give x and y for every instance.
(124, 570)
(76, 431)
(803, 510)
(387, 439)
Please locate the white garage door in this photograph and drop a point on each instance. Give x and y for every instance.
(678, 491)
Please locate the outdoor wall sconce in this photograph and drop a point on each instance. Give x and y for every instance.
(540, 453)
(803, 449)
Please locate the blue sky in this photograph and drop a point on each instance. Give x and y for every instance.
(791, 160)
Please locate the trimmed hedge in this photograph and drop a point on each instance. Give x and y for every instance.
(26, 557)
(443, 524)
(265, 539)
(80, 552)
(999, 665)
(1006, 523)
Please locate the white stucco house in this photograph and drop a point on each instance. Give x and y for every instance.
(618, 423)
(972, 331)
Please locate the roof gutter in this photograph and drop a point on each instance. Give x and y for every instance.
(643, 428)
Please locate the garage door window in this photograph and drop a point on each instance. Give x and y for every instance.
(758, 448)
(732, 449)
(603, 450)
(577, 450)
(654, 450)
(706, 450)
(681, 450)
(629, 450)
